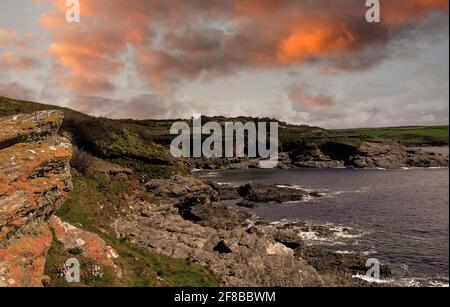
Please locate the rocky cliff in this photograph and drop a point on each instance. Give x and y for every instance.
(34, 181)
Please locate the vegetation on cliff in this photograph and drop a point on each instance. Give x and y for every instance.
(143, 145)
(96, 201)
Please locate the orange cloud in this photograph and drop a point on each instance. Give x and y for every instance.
(10, 39)
(6, 36)
(90, 50)
(315, 43)
(301, 98)
(10, 60)
(184, 40)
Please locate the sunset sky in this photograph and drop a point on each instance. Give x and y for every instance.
(316, 62)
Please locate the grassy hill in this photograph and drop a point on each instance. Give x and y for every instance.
(124, 142)
(419, 135)
(143, 145)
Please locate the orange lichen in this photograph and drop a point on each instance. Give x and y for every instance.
(22, 261)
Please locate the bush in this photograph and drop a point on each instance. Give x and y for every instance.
(83, 162)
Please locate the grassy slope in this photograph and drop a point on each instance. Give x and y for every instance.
(95, 200)
(143, 145)
(125, 142)
(93, 205)
(437, 135)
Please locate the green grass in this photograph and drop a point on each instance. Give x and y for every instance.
(93, 205)
(438, 135)
(126, 142)
(10, 106)
(56, 258)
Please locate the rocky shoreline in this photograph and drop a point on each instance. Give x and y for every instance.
(187, 220)
(182, 217)
(385, 155)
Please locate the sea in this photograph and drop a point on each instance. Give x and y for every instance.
(400, 217)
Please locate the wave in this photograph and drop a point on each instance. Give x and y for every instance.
(406, 282)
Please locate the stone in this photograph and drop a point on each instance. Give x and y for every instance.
(25, 128)
(35, 180)
(266, 193)
(394, 156)
(195, 227)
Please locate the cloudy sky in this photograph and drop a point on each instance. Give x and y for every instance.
(314, 62)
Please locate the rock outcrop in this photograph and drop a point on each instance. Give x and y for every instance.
(184, 220)
(395, 155)
(237, 163)
(386, 154)
(267, 193)
(34, 181)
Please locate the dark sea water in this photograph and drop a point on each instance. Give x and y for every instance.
(398, 216)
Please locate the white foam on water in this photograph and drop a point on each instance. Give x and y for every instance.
(294, 187)
(211, 175)
(345, 252)
(338, 193)
(373, 280)
(368, 253)
(405, 282)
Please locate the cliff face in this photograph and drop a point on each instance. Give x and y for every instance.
(34, 181)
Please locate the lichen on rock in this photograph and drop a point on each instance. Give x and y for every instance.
(34, 181)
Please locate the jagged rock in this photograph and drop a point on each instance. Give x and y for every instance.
(236, 257)
(27, 128)
(34, 177)
(266, 193)
(180, 187)
(329, 262)
(236, 163)
(225, 191)
(208, 233)
(222, 163)
(326, 163)
(214, 215)
(34, 181)
(196, 201)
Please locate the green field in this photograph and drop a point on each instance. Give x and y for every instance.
(436, 135)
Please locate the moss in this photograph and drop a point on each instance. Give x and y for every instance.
(94, 204)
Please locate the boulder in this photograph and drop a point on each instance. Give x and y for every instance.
(225, 191)
(269, 193)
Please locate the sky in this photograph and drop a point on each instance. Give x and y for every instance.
(314, 62)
